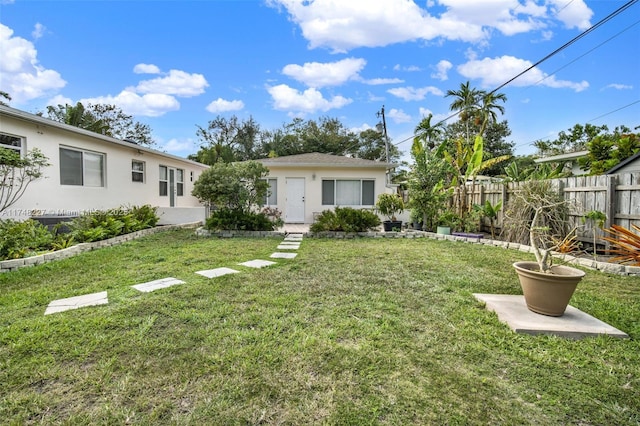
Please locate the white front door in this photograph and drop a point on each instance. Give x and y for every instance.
(295, 200)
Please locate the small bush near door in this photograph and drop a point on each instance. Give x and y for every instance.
(234, 220)
(346, 219)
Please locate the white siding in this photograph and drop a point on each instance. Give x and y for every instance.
(48, 196)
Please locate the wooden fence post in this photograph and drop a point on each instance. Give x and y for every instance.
(610, 204)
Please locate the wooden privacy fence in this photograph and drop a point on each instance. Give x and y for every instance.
(617, 196)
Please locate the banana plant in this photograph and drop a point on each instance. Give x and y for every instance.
(491, 212)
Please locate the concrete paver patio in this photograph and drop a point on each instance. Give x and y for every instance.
(574, 324)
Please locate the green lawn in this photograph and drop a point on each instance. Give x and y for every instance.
(366, 331)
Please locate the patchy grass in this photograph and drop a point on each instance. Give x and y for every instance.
(350, 332)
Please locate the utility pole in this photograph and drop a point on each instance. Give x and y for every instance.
(384, 132)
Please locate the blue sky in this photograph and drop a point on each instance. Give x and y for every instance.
(177, 64)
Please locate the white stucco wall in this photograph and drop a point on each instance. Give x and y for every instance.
(313, 177)
(48, 196)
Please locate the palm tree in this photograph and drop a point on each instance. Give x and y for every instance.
(488, 108)
(425, 134)
(467, 101)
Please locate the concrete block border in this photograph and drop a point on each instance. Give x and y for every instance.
(610, 268)
(15, 264)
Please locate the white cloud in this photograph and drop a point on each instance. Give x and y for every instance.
(60, 100)
(344, 25)
(221, 105)
(495, 71)
(311, 100)
(38, 31)
(436, 118)
(381, 81)
(150, 104)
(618, 86)
(178, 83)
(358, 130)
(415, 94)
(398, 116)
(178, 147)
(146, 69)
(316, 74)
(442, 68)
(410, 68)
(22, 75)
(575, 14)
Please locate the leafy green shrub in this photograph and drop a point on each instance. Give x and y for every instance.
(103, 224)
(236, 219)
(345, 219)
(22, 239)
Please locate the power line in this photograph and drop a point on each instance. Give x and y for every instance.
(550, 55)
(588, 121)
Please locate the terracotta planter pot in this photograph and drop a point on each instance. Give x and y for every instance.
(547, 294)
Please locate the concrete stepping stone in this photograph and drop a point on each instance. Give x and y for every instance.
(574, 324)
(157, 284)
(257, 263)
(298, 239)
(284, 255)
(218, 272)
(76, 302)
(295, 236)
(288, 247)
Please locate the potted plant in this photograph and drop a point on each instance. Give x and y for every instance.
(538, 209)
(447, 221)
(389, 205)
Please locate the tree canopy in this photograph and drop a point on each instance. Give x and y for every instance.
(105, 119)
(230, 139)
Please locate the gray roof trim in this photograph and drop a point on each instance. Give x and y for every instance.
(562, 157)
(316, 159)
(33, 118)
(623, 163)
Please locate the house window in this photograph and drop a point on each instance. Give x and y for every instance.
(84, 168)
(11, 142)
(137, 171)
(348, 192)
(271, 199)
(164, 181)
(179, 182)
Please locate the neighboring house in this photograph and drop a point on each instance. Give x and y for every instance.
(91, 171)
(628, 165)
(304, 185)
(570, 160)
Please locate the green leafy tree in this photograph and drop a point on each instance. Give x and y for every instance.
(427, 196)
(227, 140)
(571, 140)
(4, 96)
(233, 186)
(105, 119)
(607, 150)
(16, 173)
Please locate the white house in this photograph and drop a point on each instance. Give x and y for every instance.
(302, 186)
(569, 159)
(91, 171)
